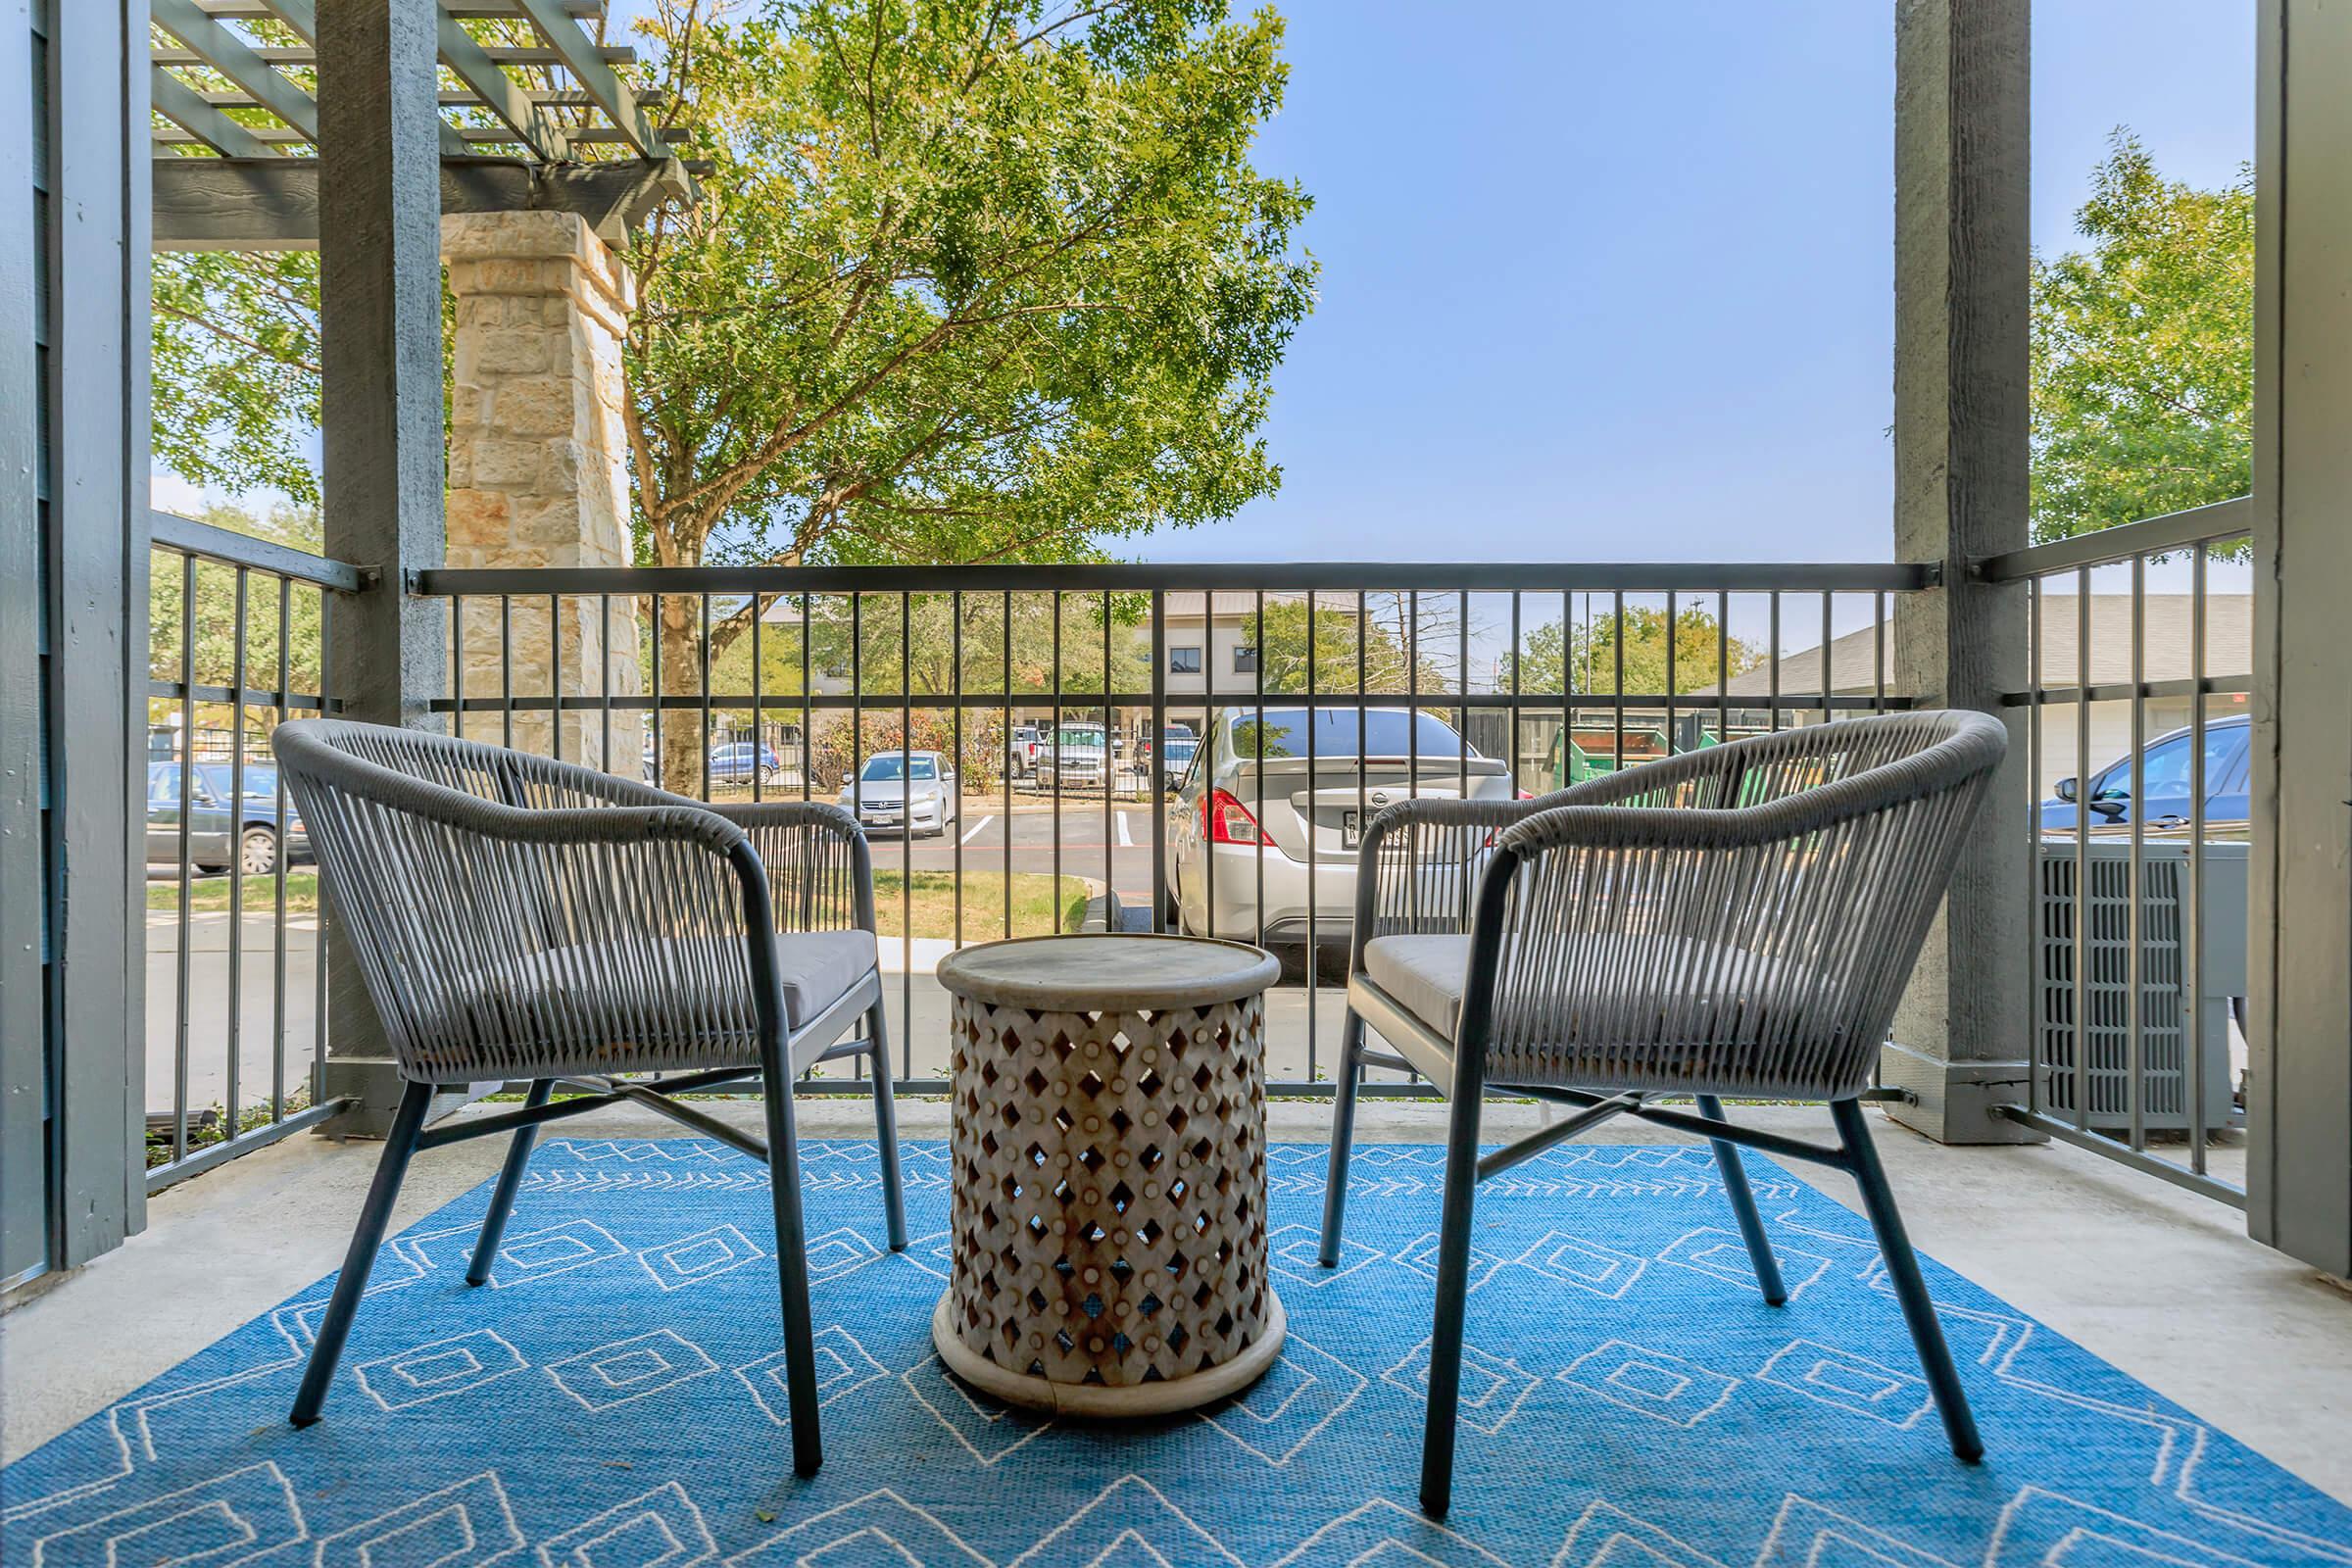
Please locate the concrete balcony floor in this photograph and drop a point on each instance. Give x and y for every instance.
(2161, 1282)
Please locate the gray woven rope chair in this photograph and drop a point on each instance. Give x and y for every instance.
(1733, 921)
(516, 919)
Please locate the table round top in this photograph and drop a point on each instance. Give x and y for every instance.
(1102, 973)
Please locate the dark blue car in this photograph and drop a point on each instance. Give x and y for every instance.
(2166, 780)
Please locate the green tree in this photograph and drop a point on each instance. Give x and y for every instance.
(1591, 650)
(2143, 351)
(975, 282)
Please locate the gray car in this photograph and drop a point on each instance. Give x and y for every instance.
(1249, 814)
(218, 834)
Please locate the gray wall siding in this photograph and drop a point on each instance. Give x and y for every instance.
(86, 125)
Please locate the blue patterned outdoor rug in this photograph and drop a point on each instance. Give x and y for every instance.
(617, 1401)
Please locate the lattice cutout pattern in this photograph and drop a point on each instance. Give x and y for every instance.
(1110, 1200)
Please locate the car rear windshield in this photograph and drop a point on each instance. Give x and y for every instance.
(1334, 732)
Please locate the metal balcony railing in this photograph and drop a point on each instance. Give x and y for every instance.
(1054, 695)
(2138, 854)
(236, 1014)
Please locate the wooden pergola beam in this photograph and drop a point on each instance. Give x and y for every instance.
(177, 102)
(223, 50)
(580, 58)
(270, 203)
(532, 125)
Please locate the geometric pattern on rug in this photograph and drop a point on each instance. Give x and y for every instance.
(617, 1401)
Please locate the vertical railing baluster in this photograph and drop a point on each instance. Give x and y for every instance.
(1673, 712)
(759, 704)
(1004, 630)
(1878, 652)
(1059, 761)
(555, 676)
(187, 806)
(505, 669)
(285, 859)
(956, 749)
(1155, 786)
(1518, 659)
(2134, 1020)
(1773, 691)
(2083, 899)
(1257, 679)
(906, 834)
(1314, 966)
(234, 850)
(1111, 768)
(2037, 875)
(1617, 643)
(2192, 895)
(457, 664)
(808, 709)
(319, 912)
(653, 628)
(1723, 670)
(703, 677)
(1827, 677)
(603, 681)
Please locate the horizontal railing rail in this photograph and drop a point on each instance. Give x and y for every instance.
(239, 633)
(2125, 542)
(1546, 576)
(1053, 692)
(187, 536)
(2137, 936)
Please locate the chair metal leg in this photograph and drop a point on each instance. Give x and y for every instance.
(1910, 1290)
(1744, 1208)
(1453, 1288)
(399, 1142)
(1342, 1137)
(792, 1259)
(886, 1129)
(502, 1197)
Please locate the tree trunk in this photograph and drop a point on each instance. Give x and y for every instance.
(681, 635)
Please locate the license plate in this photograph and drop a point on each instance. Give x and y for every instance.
(1352, 829)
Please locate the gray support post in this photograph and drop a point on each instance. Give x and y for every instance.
(2299, 1176)
(1960, 427)
(24, 1039)
(84, 498)
(379, 158)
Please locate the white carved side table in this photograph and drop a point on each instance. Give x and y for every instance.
(1109, 1191)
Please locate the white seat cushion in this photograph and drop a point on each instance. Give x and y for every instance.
(536, 1007)
(1425, 974)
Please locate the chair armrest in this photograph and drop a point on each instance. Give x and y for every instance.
(819, 868)
(1398, 883)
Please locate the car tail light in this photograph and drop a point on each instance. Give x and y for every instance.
(1226, 820)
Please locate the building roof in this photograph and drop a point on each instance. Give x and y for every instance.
(2229, 647)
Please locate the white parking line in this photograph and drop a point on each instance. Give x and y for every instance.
(1125, 843)
(973, 831)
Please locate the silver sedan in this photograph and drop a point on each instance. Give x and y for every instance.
(1253, 813)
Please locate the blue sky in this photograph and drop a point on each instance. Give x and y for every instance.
(1613, 281)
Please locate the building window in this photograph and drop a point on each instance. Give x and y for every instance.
(1245, 658)
(1184, 661)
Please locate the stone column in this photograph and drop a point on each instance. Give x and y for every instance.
(538, 471)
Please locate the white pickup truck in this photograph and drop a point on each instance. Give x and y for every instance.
(1075, 759)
